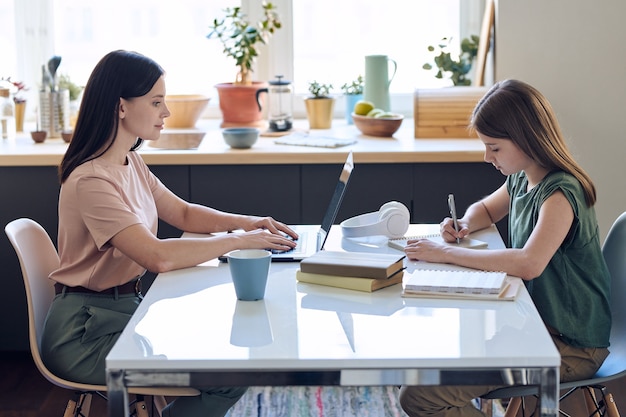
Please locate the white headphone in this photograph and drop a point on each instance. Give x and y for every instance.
(392, 220)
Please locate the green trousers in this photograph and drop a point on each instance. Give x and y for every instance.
(456, 401)
(80, 331)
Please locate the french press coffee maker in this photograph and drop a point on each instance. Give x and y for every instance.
(280, 94)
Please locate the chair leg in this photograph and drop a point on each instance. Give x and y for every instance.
(591, 402)
(78, 406)
(158, 403)
(141, 410)
(513, 407)
(611, 407)
(70, 408)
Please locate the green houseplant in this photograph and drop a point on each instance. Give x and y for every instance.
(241, 39)
(458, 68)
(319, 105)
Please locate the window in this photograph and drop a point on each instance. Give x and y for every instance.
(324, 40)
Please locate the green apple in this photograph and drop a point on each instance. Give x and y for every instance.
(374, 112)
(387, 115)
(362, 107)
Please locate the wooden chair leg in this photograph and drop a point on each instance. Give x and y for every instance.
(159, 402)
(591, 402)
(611, 407)
(78, 406)
(513, 407)
(141, 409)
(70, 408)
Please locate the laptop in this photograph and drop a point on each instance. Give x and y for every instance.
(311, 238)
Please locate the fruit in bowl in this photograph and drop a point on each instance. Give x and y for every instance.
(383, 124)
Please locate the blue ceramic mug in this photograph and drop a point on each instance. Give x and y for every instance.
(249, 269)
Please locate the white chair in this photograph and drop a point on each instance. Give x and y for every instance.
(38, 257)
(614, 367)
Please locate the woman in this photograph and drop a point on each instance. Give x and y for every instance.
(109, 206)
(553, 245)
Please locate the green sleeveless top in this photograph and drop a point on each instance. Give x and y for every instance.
(572, 294)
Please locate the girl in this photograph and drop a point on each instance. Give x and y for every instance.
(553, 245)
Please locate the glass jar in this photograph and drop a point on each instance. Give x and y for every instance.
(7, 114)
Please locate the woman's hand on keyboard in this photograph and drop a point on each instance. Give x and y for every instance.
(263, 239)
(268, 223)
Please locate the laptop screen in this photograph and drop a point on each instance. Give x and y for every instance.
(335, 201)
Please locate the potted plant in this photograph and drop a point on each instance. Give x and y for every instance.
(353, 92)
(319, 105)
(458, 68)
(241, 40)
(65, 82)
(18, 100)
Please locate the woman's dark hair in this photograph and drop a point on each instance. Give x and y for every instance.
(119, 74)
(514, 110)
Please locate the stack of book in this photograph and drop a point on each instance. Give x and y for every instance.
(359, 271)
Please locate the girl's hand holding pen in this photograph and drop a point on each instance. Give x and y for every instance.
(448, 232)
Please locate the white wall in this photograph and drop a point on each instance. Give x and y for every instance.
(574, 51)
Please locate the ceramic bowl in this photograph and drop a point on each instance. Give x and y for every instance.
(67, 135)
(178, 139)
(185, 110)
(39, 135)
(371, 126)
(240, 137)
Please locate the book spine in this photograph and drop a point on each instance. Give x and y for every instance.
(351, 283)
(359, 271)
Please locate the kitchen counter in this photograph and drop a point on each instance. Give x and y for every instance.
(402, 148)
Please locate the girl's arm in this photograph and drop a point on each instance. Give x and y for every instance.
(555, 220)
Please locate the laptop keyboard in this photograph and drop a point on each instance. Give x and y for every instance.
(296, 249)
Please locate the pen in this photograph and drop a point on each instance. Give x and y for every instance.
(455, 221)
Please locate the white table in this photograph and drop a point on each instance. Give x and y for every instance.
(191, 331)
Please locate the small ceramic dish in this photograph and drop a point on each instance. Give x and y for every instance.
(240, 137)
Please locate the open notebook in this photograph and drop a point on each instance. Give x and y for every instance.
(400, 243)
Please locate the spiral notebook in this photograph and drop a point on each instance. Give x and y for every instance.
(475, 284)
(467, 242)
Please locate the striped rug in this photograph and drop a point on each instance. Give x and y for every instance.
(318, 402)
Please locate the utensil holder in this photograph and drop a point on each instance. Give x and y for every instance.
(54, 112)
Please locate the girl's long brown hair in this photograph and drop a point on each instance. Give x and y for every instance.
(514, 110)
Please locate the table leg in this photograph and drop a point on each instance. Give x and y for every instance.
(117, 393)
(549, 392)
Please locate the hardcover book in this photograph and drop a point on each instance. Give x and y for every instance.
(353, 264)
(351, 283)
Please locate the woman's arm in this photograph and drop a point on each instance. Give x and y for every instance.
(196, 218)
(161, 255)
(555, 220)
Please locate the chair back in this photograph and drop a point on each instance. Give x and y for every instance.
(614, 251)
(38, 258)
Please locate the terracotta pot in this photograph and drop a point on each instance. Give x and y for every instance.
(239, 105)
